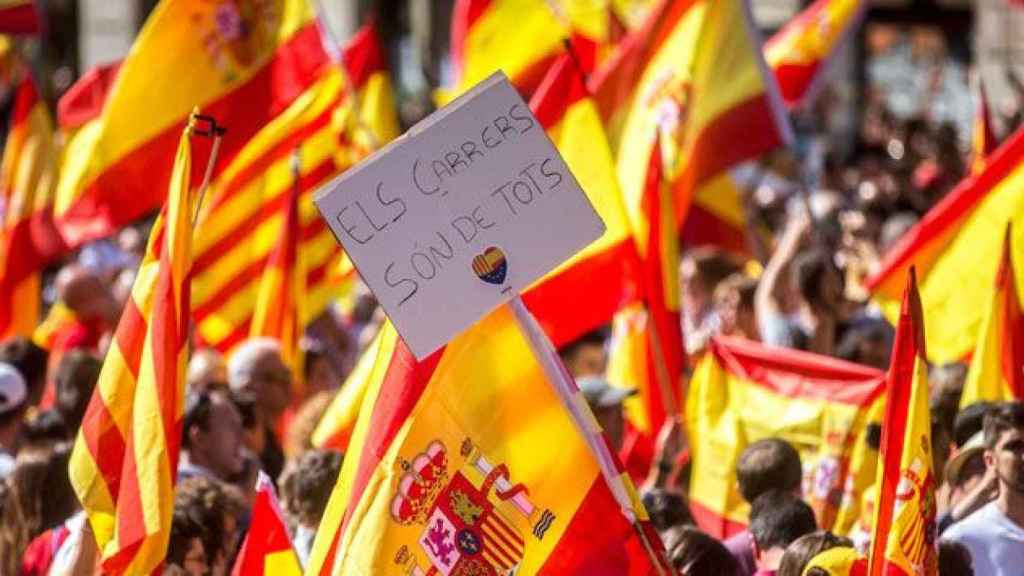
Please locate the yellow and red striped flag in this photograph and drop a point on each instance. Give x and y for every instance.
(962, 233)
(694, 75)
(28, 238)
(281, 295)
(983, 137)
(124, 463)
(800, 53)
(447, 474)
(904, 537)
(245, 63)
(267, 549)
(818, 404)
(997, 365)
(19, 17)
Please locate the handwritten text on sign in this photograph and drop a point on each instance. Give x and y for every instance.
(451, 220)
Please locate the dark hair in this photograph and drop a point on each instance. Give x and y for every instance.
(666, 509)
(713, 265)
(44, 430)
(970, 421)
(768, 464)
(75, 381)
(800, 553)
(809, 271)
(596, 337)
(307, 486)
(198, 411)
(200, 507)
(778, 518)
(954, 559)
(694, 553)
(873, 435)
(1005, 416)
(29, 359)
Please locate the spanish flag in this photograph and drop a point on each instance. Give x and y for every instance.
(267, 550)
(904, 540)
(124, 463)
(372, 119)
(243, 63)
(997, 365)
(28, 238)
(742, 392)
(448, 474)
(693, 75)
(955, 249)
(800, 53)
(19, 17)
(983, 137)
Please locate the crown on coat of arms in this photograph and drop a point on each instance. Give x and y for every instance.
(420, 485)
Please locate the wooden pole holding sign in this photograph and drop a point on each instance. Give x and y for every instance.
(567, 391)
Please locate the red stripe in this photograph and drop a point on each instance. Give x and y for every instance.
(508, 537)
(703, 227)
(465, 13)
(363, 55)
(104, 441)
(131, 336)
(270, 206)
(84, 99)
(23, 19)
(137, 182)
(1013, 322)
(586, 295)
(946, 216)
(131, 524)
(169, 336)
(798, 374)
(561, 88)
(712, 522)
(25, 99)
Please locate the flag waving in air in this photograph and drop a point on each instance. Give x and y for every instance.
(124, 463)
(267, 549)
(904, 539)
(983, 137)
(997, 365)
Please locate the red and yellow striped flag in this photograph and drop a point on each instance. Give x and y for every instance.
(124, 463)
(904, 538)
(19, 17)
(267, 549)
(997, 365)
(28, 238)
(962, 233)
(818, 404)
(800, 53)
(983, 137)
(243, 62)
(447, 474)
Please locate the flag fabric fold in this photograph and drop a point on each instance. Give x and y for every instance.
(996, 373)
(904, 539)
(983, 137)
(267, 549)
(19, 17)
(124, 462)
(818, 404)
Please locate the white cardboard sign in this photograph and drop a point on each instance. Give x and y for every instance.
(455, 217)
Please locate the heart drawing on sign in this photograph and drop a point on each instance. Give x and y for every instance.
(491, 266)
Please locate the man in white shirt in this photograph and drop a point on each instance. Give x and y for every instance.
(995, 533)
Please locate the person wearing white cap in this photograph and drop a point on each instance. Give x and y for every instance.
(13, 393)
(605, 402)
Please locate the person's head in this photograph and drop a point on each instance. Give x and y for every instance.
(586, 355)
(869, 343)
(734, 303)
(84, 292)
(299, 436)
(818, 281)
(207, 371)
(75, 381)
(13, 402)
(30, 360)
(666, 509)
(42, 432)
(701, 270)
(307, 484)
(605, 402)
(946, 383)
(766, 465)
(212, 433)
(777, 519)
(201, 538)
(970, 421)
(256, 367)
(966, 468)
(942, 441)
(894, 228)
(691, 551)
(954, 559)
(318, 370)
(1004, 446)
(805, 548)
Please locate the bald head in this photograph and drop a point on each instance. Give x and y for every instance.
(83, 291)
(255, 368)
(207, 370)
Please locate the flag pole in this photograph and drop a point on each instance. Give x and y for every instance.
(565, 387)
(215, 131)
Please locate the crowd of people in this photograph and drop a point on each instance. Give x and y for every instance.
(801, 287)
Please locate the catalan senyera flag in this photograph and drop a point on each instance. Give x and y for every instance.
(983, 137)
(28, 238)
(244, 62)
(904, 539)
(818, 404)
(277, 313)
(124, 463)
(799, 54)
(19, 17)
(955, 249)
(692, 75)
(997, 365)
(267, 549)
(451, 474)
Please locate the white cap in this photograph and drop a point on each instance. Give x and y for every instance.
(13, 390)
